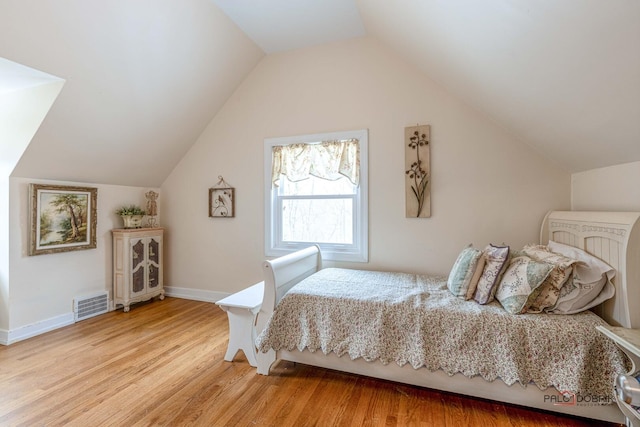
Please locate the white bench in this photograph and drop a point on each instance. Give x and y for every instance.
(242, 309)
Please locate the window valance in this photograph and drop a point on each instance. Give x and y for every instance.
(327, 160)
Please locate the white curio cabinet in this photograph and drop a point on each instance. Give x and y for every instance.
(137, 265)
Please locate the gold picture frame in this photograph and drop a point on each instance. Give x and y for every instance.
(63, 218)
(222, 202)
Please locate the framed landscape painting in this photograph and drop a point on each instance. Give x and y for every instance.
(63, 218)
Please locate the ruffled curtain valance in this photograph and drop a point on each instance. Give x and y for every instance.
(327, 160)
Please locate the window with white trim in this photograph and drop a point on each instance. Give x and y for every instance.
(316, 193)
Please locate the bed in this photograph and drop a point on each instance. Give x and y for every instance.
(613, 237)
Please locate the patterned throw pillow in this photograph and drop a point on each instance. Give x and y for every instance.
(473, 285)
(496, 259)
(521, 283)
(550, 289)
(547, 297)
(463, 271)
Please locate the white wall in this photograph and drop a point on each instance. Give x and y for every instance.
(42, 287)
(26, 96)
(487, 186)
(614, 188)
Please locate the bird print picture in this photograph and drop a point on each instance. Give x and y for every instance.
(221, 202)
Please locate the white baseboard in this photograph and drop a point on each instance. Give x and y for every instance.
(24, 332)
(28, 331)
(194, 294)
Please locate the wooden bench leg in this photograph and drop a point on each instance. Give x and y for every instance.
(241, 334)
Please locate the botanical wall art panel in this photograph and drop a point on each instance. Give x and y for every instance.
(63, 218)
(417, 171)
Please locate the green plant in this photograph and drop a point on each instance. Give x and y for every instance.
(130, 210)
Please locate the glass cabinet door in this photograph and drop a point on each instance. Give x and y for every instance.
(154, 262)
(137, 266)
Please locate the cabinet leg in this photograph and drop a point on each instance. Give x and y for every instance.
(126, 309)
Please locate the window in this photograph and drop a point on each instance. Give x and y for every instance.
(316, 193)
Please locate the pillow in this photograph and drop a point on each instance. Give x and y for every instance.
(547, 298)
(496, 258)
(521, 283)
(589, 285)
(514, 253)
(463, 271)
(563, 264)
(473, 285)
(550, 289)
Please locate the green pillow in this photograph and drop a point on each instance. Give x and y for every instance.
(462, 272)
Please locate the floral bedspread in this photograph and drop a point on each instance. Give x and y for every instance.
(405, 318)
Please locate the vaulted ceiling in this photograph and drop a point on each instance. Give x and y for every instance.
(562, 75)
(144, 78)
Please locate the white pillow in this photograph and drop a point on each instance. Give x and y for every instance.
(589, 285)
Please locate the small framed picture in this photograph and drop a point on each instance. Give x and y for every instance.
(62, 218)
(222, 202)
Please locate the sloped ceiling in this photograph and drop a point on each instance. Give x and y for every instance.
(563, 76)
(144, 78)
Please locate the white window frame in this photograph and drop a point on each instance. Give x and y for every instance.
(274, 246)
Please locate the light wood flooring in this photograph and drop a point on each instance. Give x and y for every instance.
(162, 364)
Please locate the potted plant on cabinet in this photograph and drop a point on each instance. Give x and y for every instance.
(131, 216)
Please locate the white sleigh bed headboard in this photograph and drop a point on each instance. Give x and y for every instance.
(614, 237)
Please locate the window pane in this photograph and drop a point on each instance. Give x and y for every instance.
(314, 186)
(318, 220)
(333, 214)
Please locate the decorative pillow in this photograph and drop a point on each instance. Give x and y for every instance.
(476, 277)
(463, 271)
(542, 253)
(496, 260)
(514, 253)
(550, 289)
(547, 297)
(589, 285)
(521, 283)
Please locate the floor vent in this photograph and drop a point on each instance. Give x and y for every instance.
(90, 305)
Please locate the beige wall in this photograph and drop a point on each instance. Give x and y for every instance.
(487, 186)
(614, 188)
(42, 287)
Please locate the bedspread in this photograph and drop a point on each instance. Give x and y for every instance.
(405, 318)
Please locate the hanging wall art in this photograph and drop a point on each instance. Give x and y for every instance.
(222, 200)
(62, 218)
(417, 171)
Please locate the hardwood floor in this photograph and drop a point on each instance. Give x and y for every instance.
(162, 364)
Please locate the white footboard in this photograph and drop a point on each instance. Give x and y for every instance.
(280, 275)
